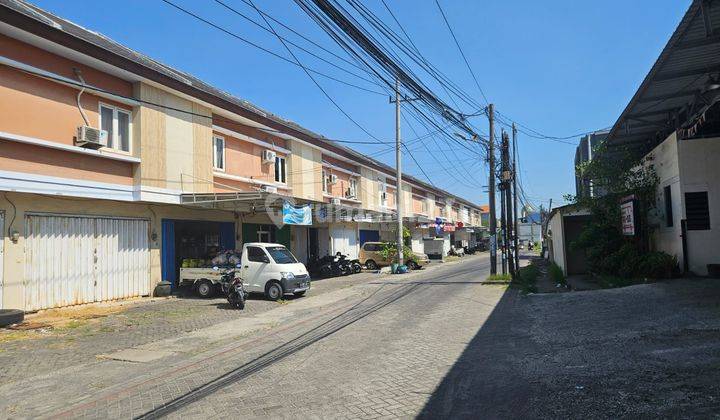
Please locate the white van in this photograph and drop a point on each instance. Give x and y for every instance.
(273, 270)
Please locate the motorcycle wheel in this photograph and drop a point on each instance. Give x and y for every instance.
(357, 268)
(240, 303)
(325, 272)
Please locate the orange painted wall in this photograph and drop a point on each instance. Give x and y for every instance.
(343, 183)
(417, 205)
(245, 159)
(39, 160)
(341, 164)
(229, 185)
(249, 131)
(35, 107)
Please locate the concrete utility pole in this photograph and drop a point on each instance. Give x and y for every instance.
(491, 191)
(515, 175)
(503, 200)
(398, 176)
(509, 229)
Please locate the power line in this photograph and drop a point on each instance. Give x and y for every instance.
(461, 51)
(253, 44)
(327, 95)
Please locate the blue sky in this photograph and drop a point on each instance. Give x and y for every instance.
(560, 67)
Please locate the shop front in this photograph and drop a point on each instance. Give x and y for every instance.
(192, 243)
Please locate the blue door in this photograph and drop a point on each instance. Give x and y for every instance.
(168, 251)
(227, 235)
(369, 236)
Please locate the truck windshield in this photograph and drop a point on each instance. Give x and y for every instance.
(281, 255)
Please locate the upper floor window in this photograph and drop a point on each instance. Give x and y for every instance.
(116, 122)
(280, 169)
(325, 186)
(218, 153)
(424, 206)
(382, 189)
(352, 188)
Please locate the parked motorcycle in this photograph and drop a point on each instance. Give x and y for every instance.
(233, 288)
(324, 267)
(344, 264)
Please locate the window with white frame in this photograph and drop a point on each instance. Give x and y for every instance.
(218, 153)
(382, 190)
(424, 204)
(280, 170)
(325, 181)
(352, 188)
(116, 121)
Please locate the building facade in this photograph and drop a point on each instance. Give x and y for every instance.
(116, 170)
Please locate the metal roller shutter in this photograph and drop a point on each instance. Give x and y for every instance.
(71, 260)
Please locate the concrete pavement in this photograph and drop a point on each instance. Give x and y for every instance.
(434, 344)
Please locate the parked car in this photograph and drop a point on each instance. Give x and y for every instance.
(273, 270)
(371, 257)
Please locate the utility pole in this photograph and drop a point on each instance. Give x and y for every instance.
(509, 229)
(398, 165)
(503, 194)
(515, 174)
(491, 190)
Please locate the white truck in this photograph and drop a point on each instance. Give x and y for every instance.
(265, 268)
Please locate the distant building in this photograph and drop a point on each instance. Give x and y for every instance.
(584, 153)
(530, 226)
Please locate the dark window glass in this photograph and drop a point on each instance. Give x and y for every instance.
(667, 194)
(697, 211)
(281, 255)
(256, 254)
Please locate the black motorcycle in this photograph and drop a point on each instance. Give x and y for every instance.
(233, 289)
(324, 267)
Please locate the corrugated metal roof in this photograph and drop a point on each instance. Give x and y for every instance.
(683, 71)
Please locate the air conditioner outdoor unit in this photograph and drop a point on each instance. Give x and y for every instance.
(335, 201)
(268, 156)
(90, 137)
(333, 179)
(268, 189)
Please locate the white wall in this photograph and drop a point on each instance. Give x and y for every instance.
(665, 160)
(700, 171)
(557, 243)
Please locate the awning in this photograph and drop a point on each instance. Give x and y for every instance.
(682, 85)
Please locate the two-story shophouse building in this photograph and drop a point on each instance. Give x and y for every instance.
(115, 168)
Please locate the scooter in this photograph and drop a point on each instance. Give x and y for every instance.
(324, 267)
(233, 288)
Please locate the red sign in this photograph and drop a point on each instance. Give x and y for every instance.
(460, 224)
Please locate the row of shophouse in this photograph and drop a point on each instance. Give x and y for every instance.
(671, 124)
(114, 168)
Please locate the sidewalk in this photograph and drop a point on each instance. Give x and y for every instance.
(103, 330)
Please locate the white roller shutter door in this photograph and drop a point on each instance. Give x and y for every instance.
(71, 260)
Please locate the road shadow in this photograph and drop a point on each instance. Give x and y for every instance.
(647, 351)
(483, 382)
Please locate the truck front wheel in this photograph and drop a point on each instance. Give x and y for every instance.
(273, 291)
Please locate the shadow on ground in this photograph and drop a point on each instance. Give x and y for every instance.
(645, 350)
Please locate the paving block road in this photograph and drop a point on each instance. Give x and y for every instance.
(432, 344)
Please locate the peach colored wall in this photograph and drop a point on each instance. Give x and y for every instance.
(439, 207)
(417, 205)
(37, 57)
(341, 164)
(245, 159)
(390, 196)
(39, 160)
(343, 183)
(249, 131)
(230, 185)
(34, 107)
